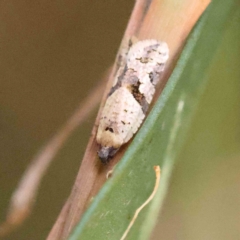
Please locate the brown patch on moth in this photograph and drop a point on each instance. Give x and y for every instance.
(118, 83)
(130, 80)
(139, 97)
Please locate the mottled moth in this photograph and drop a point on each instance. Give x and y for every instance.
(130, 96)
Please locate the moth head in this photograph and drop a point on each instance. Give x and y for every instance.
(106, 153)
(109, 141)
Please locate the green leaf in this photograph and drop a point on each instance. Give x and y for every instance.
(160, 139)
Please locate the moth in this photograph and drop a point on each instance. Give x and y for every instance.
(129, 98)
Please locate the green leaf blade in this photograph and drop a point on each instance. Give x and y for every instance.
(158, 141)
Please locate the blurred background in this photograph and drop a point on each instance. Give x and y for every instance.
(52, 53)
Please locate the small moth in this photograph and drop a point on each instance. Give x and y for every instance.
(130, 96)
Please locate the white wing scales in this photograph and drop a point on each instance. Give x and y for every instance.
(134, 87)
(120, 119)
